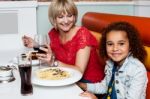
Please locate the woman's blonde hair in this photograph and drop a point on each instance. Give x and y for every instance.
(58, 7)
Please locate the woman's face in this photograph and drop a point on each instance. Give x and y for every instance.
(117, 46)
(65, 22)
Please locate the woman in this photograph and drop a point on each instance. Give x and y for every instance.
(73, 46)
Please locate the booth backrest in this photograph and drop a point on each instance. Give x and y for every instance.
(98, 21)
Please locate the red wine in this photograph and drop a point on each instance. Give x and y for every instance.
(25, 75)
(39, 50)
(33, 56)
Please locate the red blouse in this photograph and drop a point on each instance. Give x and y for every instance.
(67, 52)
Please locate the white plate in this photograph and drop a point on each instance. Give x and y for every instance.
(74, 77)
(34, 62)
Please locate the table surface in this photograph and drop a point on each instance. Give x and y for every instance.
(11, 90)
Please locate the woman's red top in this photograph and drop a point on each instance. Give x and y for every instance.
(67, 52)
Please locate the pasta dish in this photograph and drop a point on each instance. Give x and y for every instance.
(52, 74)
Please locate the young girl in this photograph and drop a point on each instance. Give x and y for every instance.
(73, 46)
(126, 76)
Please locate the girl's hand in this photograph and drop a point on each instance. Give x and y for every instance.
(47, 56)
(89, 95)
(28, 41)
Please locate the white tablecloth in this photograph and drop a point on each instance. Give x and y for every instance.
(11, 90)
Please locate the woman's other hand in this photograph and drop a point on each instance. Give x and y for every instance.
(89, 95)
(28, 41)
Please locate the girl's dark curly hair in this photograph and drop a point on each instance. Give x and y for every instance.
(135, 43)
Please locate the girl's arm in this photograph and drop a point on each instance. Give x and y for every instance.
(98, 88)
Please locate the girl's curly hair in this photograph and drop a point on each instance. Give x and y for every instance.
(135, 43)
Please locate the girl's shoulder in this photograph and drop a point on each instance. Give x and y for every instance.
(134, 60)
(133, 64)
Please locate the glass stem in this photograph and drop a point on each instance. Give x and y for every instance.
(40, 64)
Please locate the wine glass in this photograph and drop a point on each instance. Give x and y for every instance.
(41, 40)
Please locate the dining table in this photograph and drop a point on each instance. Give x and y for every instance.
(11, 90)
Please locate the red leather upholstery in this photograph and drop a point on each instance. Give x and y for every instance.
(97, 21)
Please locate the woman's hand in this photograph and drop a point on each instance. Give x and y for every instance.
(28, 41)
(89, 95)
(47, 56)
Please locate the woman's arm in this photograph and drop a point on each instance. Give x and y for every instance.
(81, 62)
(82, 59)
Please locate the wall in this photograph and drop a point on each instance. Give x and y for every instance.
(33, 16)
(142, 8)
(43, 24)
(17, 19)
(83, 7)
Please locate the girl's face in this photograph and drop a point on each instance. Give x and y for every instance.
(65, 22)
(117, 46)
